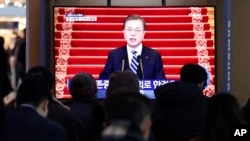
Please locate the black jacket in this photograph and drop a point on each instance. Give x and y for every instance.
(178, 111)
(91, 116)
(25, 124)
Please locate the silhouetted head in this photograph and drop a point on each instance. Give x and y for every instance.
(224, 106)
(131, 108)
(32, 90)
(83, 85)
(35, 92)
(122, 80)
(222, 110)
(43, 73)
(194, 73)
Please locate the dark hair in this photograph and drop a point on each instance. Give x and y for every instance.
(134, 17)
(1, 41)
(122, 80)
(32, 91)
(127, 106)
(43, 73)
(83, 85)
(193, 73)
(24, 32)
(221, 111)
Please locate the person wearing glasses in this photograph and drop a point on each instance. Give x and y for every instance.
(145, 62)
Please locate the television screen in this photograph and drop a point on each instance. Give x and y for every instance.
(83, 37)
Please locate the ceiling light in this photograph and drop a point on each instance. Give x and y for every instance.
(7, 2)
(2, 5)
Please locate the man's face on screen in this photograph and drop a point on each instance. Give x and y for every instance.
(133, 32)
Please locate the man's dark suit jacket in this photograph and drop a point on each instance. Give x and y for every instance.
(25, 124)
(151, 60)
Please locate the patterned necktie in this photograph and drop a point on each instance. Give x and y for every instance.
(134, 63)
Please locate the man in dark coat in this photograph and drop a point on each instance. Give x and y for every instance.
(179, 106)
(27, 122)
(58, 112)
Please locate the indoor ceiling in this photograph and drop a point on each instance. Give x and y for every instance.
(11, 3)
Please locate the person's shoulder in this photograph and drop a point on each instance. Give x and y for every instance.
(56, 109)
(151, 50)
(53, 126)
(118, 50)
(54, 130)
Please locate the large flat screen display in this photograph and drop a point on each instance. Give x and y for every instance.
(83, 37)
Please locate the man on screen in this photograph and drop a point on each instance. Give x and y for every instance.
(145, 62)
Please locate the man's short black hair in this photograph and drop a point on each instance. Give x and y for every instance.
(193, 73)
(44, 74)
(32, 91)
(127, 106)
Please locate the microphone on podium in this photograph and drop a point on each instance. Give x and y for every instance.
(139, 58)
(123, 64)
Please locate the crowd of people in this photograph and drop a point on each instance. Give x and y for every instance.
(180, 112)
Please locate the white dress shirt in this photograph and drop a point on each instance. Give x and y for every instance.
(130, 55)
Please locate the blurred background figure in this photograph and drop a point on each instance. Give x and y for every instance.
(128, 117)
(20, 59)
(85, 106)
(18, 39)
(4, 70)
(2, 107)
(222, 110)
